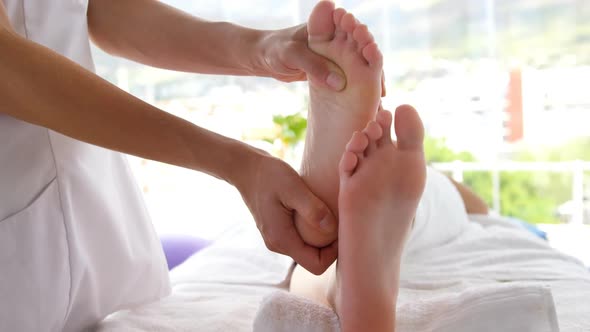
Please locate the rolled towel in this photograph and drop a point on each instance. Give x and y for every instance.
(285, 312)
(495, 307)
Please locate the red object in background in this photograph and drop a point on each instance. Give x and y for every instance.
(514, 118)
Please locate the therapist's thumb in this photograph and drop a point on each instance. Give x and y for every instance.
(319, 70)
(324, 71)
(313, 216)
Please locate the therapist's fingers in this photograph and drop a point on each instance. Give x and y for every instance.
(309, 208)
(315, 260)
(314, 221)
(281, 236)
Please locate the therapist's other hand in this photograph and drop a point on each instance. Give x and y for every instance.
(286, 57)
(274, 193)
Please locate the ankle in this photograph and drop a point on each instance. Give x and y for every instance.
(375, 313)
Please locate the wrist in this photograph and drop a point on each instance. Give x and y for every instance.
(244, 163)
(258, 58)
(219, 156)
(250, 50)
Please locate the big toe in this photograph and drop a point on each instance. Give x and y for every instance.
(408, 128)
(320, 26)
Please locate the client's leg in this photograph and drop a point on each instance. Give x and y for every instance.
(381, 182)
(334, 116)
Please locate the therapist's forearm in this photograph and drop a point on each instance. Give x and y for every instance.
(41, 87)
(156, 34)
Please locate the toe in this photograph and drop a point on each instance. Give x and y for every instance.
(362, 36)
(339, 34)
(320, 26)
(348, 163)
(358, 143)
(383, 88)
(408, 128)
(337, 16)
(373, 132)
(348, 23)
(372, 55)
(384, 119)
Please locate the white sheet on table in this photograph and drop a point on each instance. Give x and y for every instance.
(220, 288)
(494, 250)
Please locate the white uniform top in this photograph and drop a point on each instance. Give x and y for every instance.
(76, 242)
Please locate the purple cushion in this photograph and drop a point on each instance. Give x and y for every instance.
(178, 248)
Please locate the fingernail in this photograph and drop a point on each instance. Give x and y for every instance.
(328, 225)
(335, 81)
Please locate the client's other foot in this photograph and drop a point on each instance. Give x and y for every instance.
(381, 182)
(334, 116)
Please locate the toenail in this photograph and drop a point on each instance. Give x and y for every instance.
(335, 81)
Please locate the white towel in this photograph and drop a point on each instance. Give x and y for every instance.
(500, 307)
(285, 312)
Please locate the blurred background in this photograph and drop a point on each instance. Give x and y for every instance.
(501, 86)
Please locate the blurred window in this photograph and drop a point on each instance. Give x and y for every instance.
(493, 78)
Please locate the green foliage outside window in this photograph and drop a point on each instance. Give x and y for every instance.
(289, 132)
(292, 128)
(531, 196)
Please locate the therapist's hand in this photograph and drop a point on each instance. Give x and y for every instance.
(286, 57)
(274, 193)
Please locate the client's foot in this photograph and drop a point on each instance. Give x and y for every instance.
(334, 116)
(381, 182)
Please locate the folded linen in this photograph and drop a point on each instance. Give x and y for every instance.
(492, 307)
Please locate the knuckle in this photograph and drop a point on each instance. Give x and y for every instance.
(269, 245)
(305, 59)
(273, 244)
(317, 212)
